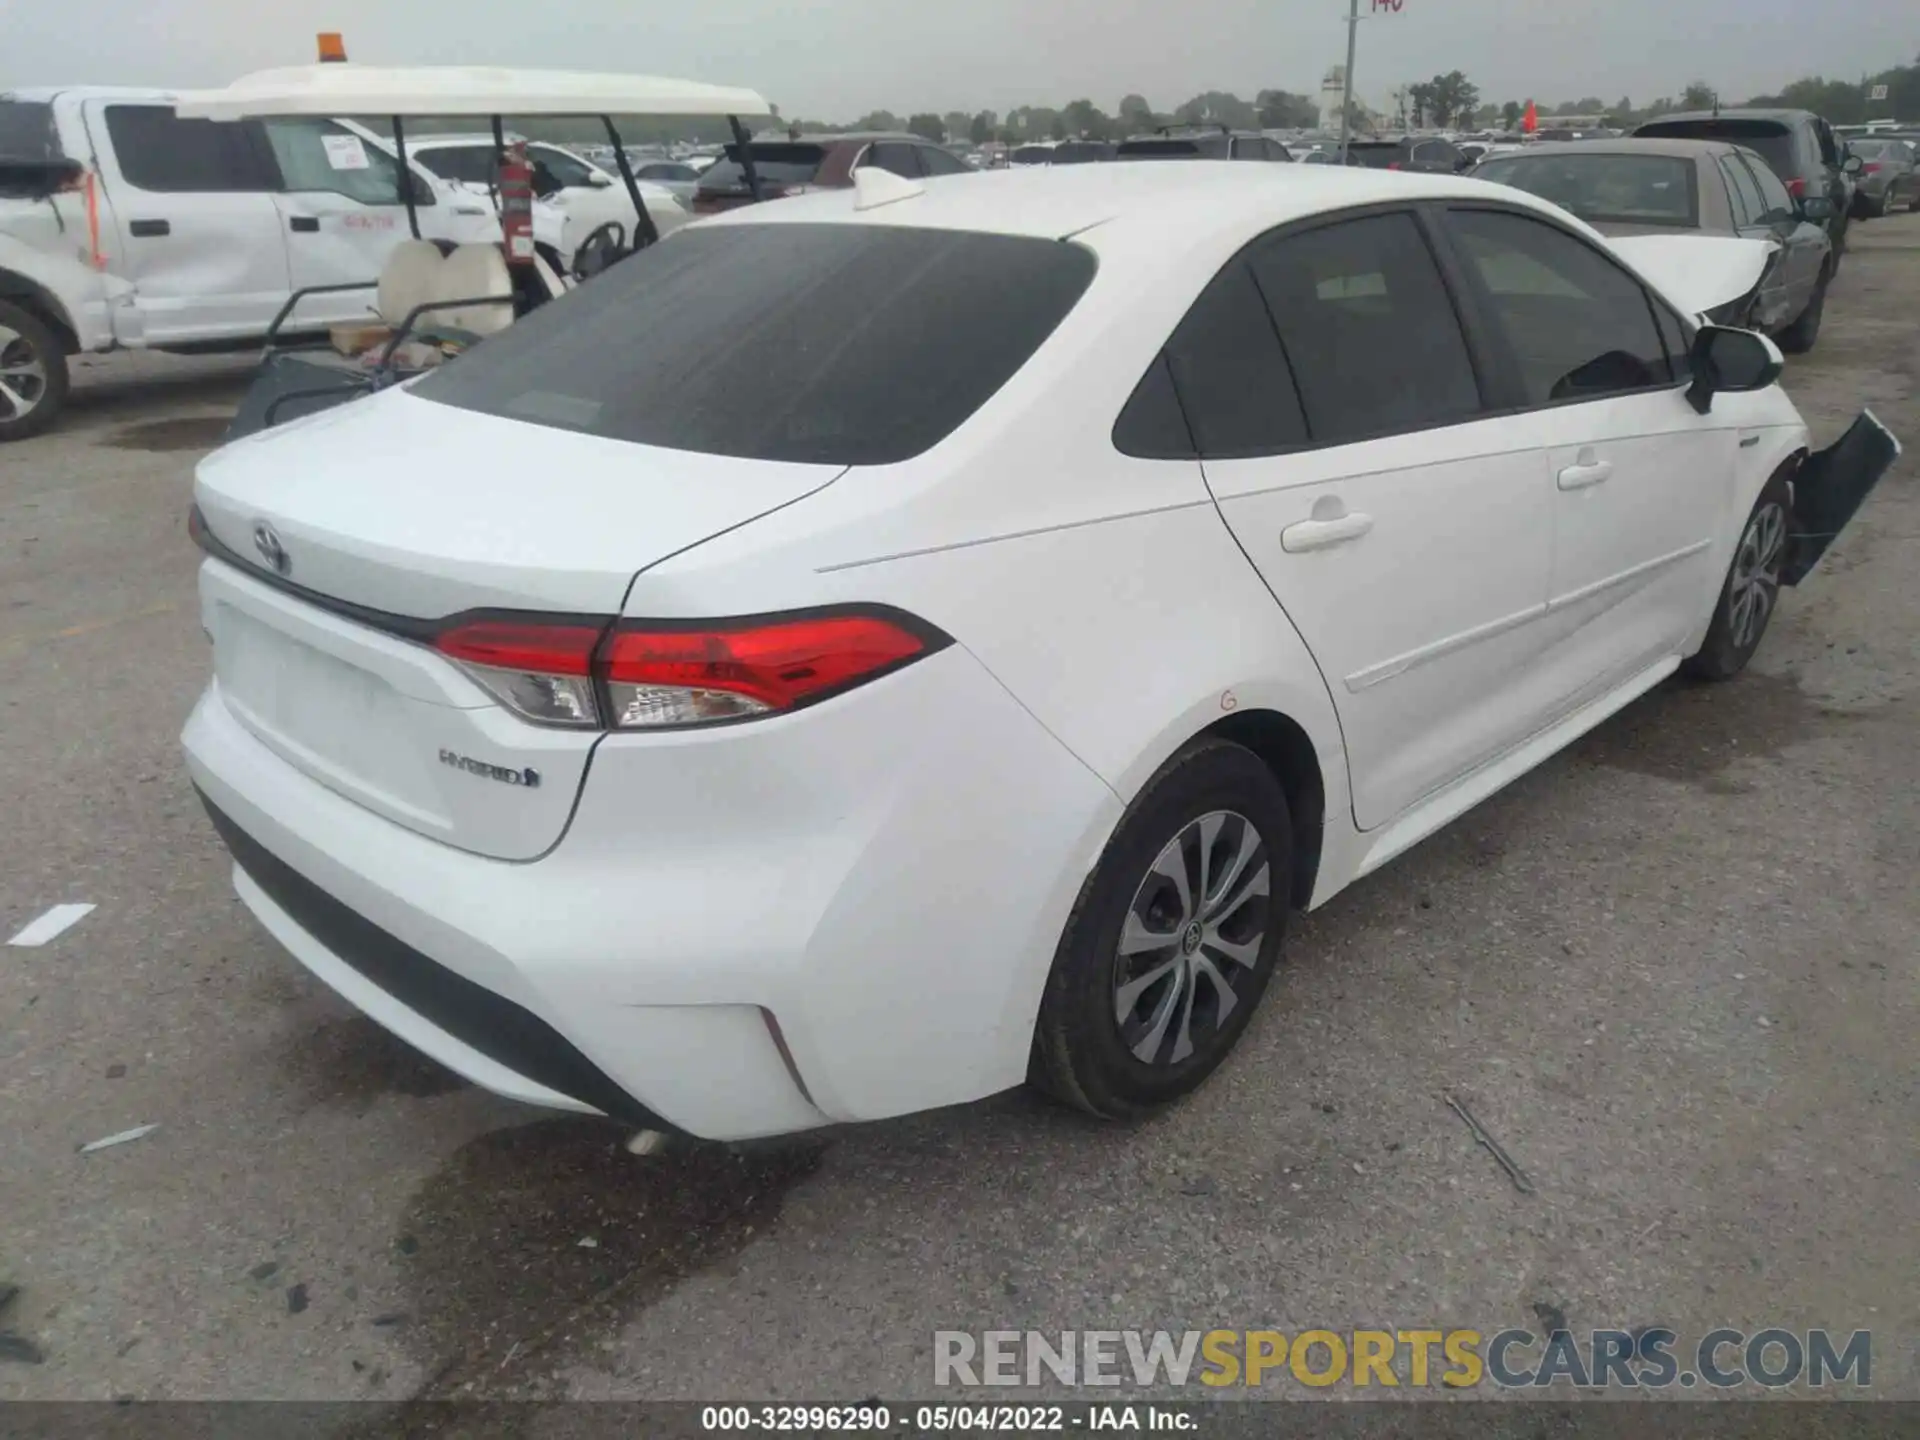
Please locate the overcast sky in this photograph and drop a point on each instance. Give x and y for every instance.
(837, 59)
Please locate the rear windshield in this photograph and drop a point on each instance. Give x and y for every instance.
(825, 344)
(1770, 138)
(775, 164)
(26, 131)
(1206, 148)
(1031, 155)
(1373, 157)
(1622, 189)
(1880, 149)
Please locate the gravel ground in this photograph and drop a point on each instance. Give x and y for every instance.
(1673, 971)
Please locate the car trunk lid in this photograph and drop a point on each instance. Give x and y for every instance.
(344, 542)
(1699, 273)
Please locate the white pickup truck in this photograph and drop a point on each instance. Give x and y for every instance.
(190, 235)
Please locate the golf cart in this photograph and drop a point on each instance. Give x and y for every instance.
(433, 298)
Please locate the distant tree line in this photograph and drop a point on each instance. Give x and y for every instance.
(1446, 100)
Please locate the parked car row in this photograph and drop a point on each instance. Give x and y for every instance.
(183, 234)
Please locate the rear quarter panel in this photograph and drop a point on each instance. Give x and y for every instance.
(1103, 591)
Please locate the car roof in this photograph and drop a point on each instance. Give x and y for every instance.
(1157, 206)
(45, 94)
(849, 137)
(1785, 117)
(1649, 145)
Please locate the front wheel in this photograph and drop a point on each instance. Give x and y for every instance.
(1173, 939)
(1752, 591)
(33, 373)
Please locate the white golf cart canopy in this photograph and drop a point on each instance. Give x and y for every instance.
(349, 89)
(399, 91)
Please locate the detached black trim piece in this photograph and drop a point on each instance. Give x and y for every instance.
(492, 1024)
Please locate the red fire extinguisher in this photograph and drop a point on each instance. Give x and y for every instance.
(516, 204)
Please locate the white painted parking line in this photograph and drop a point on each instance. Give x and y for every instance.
(50, 925)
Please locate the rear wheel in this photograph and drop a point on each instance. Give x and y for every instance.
(1799, 337)
(33, 373)
(1173, 939)
(1752, 590)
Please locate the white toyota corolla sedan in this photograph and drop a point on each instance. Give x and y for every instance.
(873, 650)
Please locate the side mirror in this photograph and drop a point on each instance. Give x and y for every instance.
(599, 181)
(1851, 164)
(1817, 208)
(1732, 361)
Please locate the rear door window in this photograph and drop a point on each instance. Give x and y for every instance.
(899, 159)
(161, 153)
(1577, 324)
(1369, 328)
(1744, 191)
(823, 344)
(942, 162)
(1776, 205)
(1231, 373)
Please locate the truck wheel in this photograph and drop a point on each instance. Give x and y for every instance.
(33, 373)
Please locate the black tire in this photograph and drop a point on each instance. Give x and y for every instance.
(1085, 1053)
(1799, 337)
(1731, 640)
(31, 342)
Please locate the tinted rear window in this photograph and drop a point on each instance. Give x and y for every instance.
(826, 344)
(1212, 148)
(1603, 188)
(26, 131)
(775, 164)
(1772, 140)
(1032, 155)
(1374, 157)
(1082, 152)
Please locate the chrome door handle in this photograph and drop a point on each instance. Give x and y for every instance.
(1319, 534)
(1579, 477)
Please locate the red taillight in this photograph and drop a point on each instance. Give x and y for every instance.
(1870, 167)
(513, 645)
(691, 675)
(1797, 187)
(647, 674)
(1393, 165)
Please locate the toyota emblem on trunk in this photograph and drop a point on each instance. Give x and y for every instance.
(267, 542)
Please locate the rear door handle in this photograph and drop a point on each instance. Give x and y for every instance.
(148, 229)
(1579, 477)
(1319, 534)
(305, 224)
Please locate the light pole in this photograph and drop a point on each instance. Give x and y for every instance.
(1346, 89)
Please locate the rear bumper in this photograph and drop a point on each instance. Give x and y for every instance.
(848, 916)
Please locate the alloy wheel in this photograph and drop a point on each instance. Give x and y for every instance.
(1755, 585)
(23, 375)
(1192, 938)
